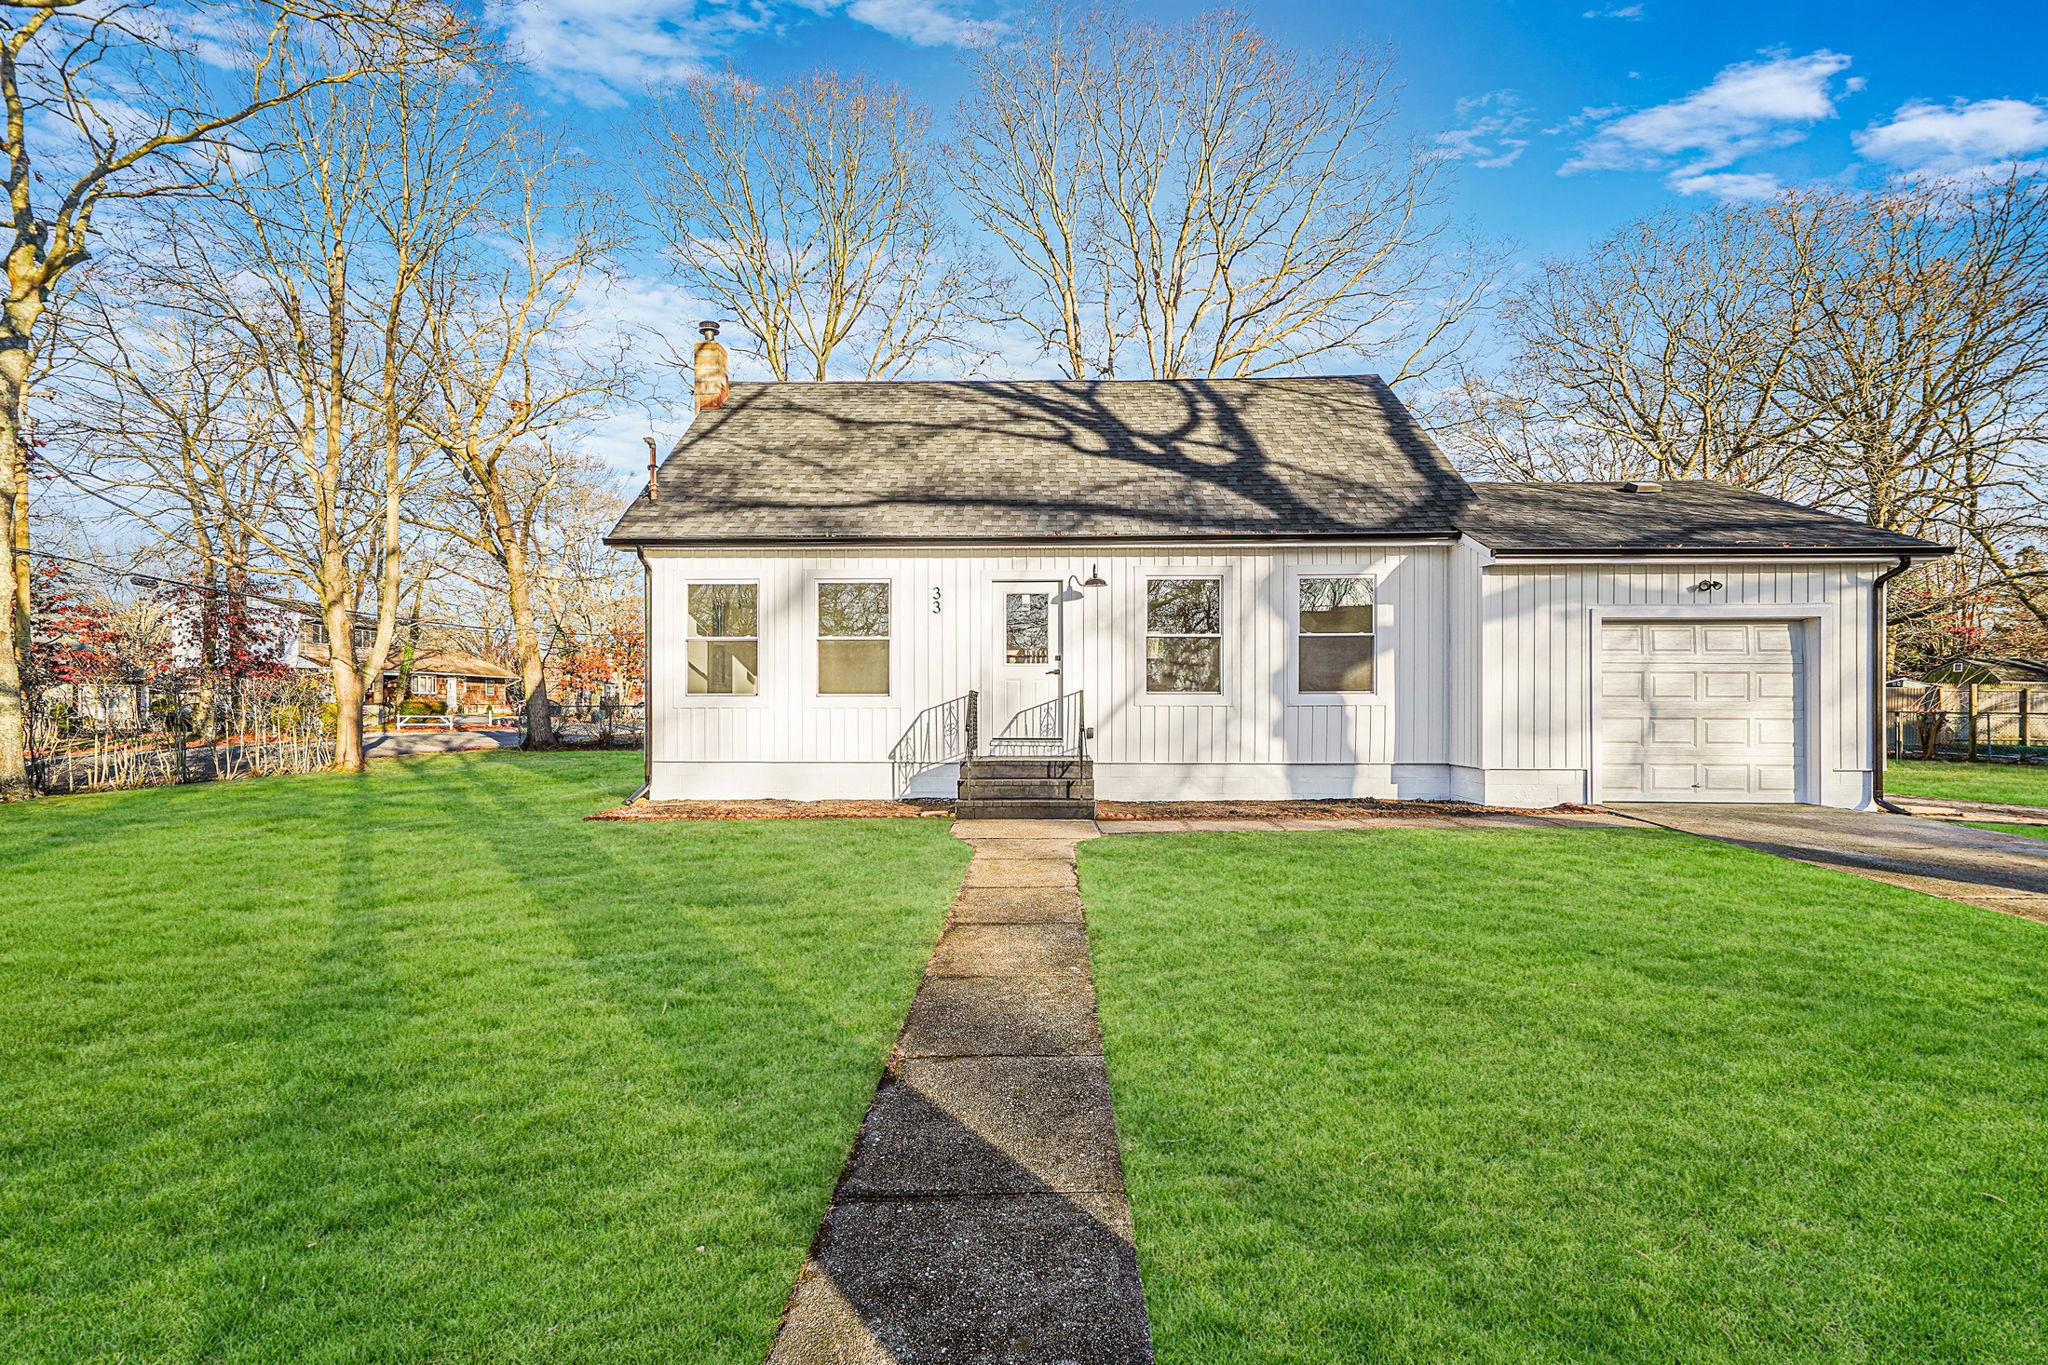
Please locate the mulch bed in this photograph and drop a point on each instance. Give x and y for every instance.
(775, 810)
(1347, 809)
(1104, 810)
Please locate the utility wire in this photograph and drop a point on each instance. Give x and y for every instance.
(142, 579)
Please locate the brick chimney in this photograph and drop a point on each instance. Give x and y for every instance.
(652, 462)
(709, 362)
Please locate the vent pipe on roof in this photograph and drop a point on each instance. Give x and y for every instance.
(709, 362)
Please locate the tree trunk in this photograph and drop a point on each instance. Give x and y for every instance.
(540, 721)
(348, 717)
(14, 581)
(348, 676)
(207, 675)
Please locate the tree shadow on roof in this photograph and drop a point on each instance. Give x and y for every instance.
(989, 459)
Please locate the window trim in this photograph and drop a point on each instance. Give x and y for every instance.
(1221, 576)
(816, 680)
(761, 689)
(1295, 695)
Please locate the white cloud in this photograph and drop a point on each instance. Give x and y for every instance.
(1488, 138)
(1962, 136)
(1729, 184)
(1616, 12)
(924, 22)
(602, 52)
(1748, 107)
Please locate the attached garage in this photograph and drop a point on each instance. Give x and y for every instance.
(1701, 710)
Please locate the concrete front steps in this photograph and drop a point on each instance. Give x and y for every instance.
(1003, 788)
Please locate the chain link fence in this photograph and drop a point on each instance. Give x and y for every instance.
(2004, 723)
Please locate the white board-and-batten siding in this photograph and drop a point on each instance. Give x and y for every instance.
(1532, 740)
(1484, 670)
(1255, 738)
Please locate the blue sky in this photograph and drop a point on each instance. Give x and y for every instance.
(1567, 117)
(1575, 115)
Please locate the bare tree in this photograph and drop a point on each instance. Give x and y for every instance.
(1197, 201)
(1503, 426)
(98, 102)
(1928, 358)
(154, 424)
(1928, 367)
(314, 262)
(809, 213)
(1675, 341)
(502, 355)
(1882, 354)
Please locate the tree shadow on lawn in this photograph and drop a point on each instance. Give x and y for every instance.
(770, 1039)
(324, 1181)
(498, 1124)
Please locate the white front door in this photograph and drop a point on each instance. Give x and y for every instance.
(1700, 711)
(1029, 638)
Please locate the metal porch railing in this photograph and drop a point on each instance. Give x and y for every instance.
(1053, 729)
(938, 735)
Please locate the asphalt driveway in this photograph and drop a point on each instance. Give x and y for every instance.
(1978, 866)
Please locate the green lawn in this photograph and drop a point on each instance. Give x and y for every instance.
(2005, 784)
(2029, 831)
(1534, 1095)
(421, 1065)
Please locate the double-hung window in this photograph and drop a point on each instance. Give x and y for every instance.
(853, 639)
(724, 644)
(1333, 643)
(1184, 635)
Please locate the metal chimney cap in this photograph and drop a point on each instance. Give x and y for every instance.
(709, 330)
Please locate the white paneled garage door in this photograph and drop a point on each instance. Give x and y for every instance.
(1700, 711)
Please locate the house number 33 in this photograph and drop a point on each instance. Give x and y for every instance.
(935, 601)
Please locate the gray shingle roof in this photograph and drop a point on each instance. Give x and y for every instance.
(1663, 518)
(933, 461)
(965, 460)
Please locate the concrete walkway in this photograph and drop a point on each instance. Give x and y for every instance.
(982, 1215)
(1949, 808)
(2007, 872)
(412, 743)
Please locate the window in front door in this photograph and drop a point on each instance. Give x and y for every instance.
(1027, 627)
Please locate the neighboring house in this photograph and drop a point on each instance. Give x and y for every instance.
(462, 682)
(1986, 670)
(1230, 589)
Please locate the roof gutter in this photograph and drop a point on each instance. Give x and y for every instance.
(1602, 553)
(1051, 542)
(1878, 620)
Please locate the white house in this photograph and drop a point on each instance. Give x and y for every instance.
(1228, 589)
